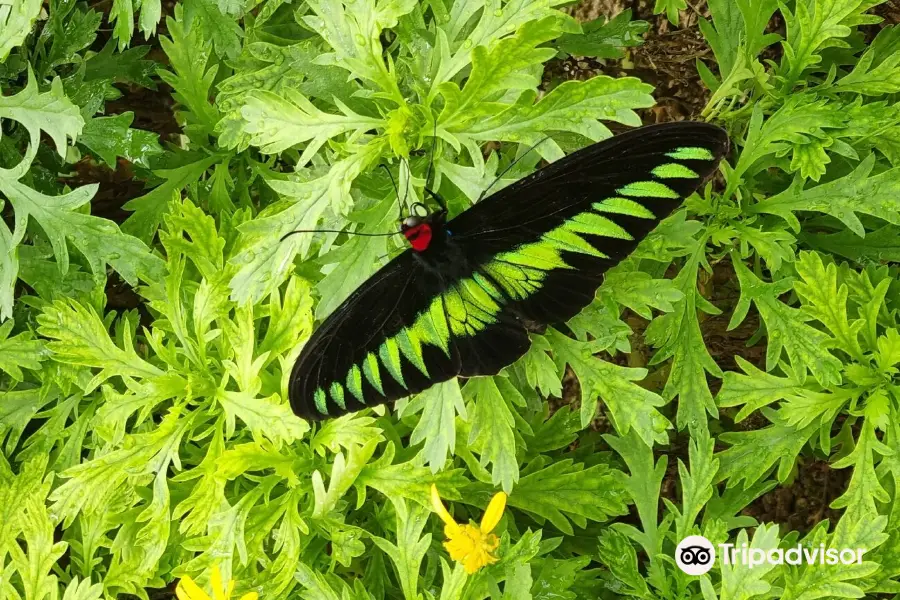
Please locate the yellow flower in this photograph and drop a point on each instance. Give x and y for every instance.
(188, 590)
(472, 546)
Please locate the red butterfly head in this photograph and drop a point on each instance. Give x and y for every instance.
(417, 231)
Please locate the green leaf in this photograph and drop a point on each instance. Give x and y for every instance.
(800, 119)
(864, 488)
(99, 240)
(678, 336)
(605, 38)
(109, 137)
(753, 453)
(352, 29)
(640, 292)
(870, 79)
(91, 484)
(880, 245)
(406, 480)
(16, 20)
(410, 549)
(343, 474)
(741, 581)
(505, 66)
(643, 485)
(19, 351)
(857, 192)
(349, 266)
(671, 8)
(815, 26)
(51, 112)
(630, 405)
(263, 259)
(566, 492)
(79, 337)
(191, 76)
(266, 417)
(787, 329)
(838, 581)
(36, 565)
(492, 25)
(617, 553)
(573, 106)
(344, 432)
(826, 302)
(275, 123)
(224, 33)
(437, 425)
(122, 67)
(754, 390)
(492, 434)
(696, 485)
(150, 208)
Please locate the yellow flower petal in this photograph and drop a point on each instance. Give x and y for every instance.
(446, 517)
(217, 587)
(494, 513)
(188, 590)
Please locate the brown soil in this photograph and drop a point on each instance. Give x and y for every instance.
(805, 502)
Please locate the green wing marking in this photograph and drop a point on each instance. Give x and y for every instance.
(691, 153)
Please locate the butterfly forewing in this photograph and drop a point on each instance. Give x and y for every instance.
(534, 252)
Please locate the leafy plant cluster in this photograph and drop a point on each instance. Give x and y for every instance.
(147, 443)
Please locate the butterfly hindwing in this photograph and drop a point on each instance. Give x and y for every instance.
(535, 251)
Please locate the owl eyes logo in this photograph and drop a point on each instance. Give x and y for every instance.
(695, 555)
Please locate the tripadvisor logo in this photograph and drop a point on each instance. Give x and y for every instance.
(695, 555)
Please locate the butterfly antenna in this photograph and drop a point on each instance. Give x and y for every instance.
(396, 190)
(437, 198)
(290, 233)
(431, 162)
(406, 187)
(511, 165)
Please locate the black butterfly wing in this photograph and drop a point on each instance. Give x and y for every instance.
(536, 250)
(399, 333)
(547, 239)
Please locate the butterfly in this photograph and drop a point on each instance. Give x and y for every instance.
(460, 301)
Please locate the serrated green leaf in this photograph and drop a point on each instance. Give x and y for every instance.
(51, 112)
(110, 137)
(492, 434)
(605, 38)
(275, 123)
(574, 106)
(79, 337)
(266, 417)
(437, 425)
(815, 26)
(99, 240)
(842, 198)
(753, 453)
(19, 351)
(787, 329)
(678, 336)
(566, 492)
(755, 390)
(16, 20)
(630, 405)
(741, 581)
